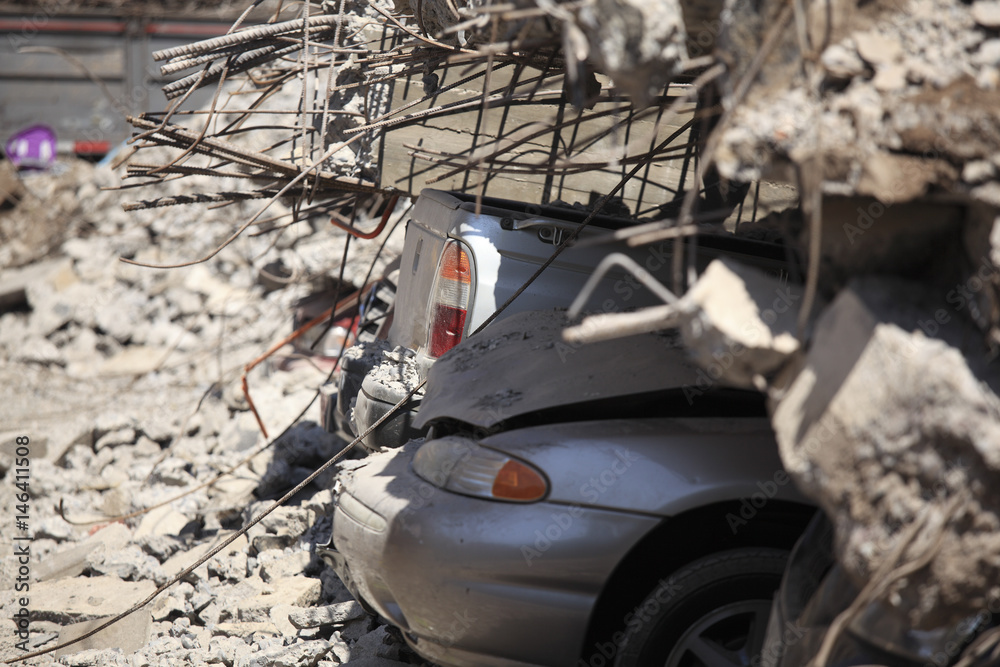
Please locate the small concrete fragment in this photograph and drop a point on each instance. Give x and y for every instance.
(287, 566)
(334, 614)
(877, 48)
(184, 559)
(125, 436)
(300, 654)
(92, 658)
(279, 615)
(128, 635)
(987, 13)
(640, 44)
(85, 598)
(245, 629)
(376, 644)
(15, 283)
(739, 323)
(841, 62)
(295, 591)
(162, 521)
(72, 561)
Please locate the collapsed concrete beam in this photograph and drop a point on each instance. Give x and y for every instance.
(885, 424)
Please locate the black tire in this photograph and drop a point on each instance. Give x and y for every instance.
(710, 613)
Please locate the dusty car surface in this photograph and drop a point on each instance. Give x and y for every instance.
(460, 262)
(580, 507)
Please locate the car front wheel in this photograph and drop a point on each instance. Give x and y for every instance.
(712, 612)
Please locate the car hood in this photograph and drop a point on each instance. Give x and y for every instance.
(521, 365)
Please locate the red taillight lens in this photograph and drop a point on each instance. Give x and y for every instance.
(451, 299)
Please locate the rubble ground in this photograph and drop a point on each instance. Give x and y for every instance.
(125, 380)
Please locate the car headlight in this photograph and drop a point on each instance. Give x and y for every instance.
(463, 466)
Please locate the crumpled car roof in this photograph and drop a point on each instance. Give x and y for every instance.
(520, 365)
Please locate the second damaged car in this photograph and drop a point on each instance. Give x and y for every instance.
(461, 260)
(572, 506)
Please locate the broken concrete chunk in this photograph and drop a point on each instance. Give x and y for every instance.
(988, 53)
(640, 44)
(92, 658)
(272, 569)
(861, 430)
(125, 436)
(334, 614)
(987, 13)
(244, 629)
(129, 563)
(232, 566)
(978, 171)
(890, 78)
(842, 62)
(376, 644)
(877, 48)
(295, 591)
(299, 654)
(15, 283)
(128, 635)
(85, 598)
(279, 615)
(184, 559)
(161, 521)
(268, 542)
(291, 521)
(740, 323)
(72, 561)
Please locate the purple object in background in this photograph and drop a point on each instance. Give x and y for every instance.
(32, 148)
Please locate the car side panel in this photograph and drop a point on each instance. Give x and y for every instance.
(661, 467)
(478, 583)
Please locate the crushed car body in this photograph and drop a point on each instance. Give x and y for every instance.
(548, 500)
(461, 261)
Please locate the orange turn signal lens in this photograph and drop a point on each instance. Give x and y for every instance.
(455, 264)
(516, 481)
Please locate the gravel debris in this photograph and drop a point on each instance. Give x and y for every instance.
(126, 381)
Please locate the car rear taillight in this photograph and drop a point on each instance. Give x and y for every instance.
(450, 302)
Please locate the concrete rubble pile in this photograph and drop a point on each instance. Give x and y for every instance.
(887, 403)
(126, 381)
(884, 396)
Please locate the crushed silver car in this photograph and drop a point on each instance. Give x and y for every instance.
(460, 262)
(572, 506)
